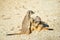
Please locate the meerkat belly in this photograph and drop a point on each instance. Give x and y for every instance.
(25, 27)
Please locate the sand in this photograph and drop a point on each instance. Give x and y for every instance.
(12, 13)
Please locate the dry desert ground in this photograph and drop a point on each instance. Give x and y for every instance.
(12, 13)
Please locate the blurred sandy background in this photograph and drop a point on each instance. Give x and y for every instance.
(12, 13)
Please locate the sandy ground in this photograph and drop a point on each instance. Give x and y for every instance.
(12, 13)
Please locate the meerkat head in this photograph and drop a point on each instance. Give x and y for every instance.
(37, 19)
(30, 12)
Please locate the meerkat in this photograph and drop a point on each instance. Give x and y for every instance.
(38, 25)
(25, 24)
(30, 24)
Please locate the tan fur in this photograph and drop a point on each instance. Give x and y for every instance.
(36, 25)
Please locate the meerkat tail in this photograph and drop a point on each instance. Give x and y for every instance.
(50, 29)
(14, 34)
(47, 29)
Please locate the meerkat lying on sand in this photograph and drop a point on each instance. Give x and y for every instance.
(25, 24)
(38, 25)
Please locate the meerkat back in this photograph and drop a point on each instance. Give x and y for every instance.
(26, 22)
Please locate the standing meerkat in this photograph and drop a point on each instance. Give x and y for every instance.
(39, 25)
(25, 24)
